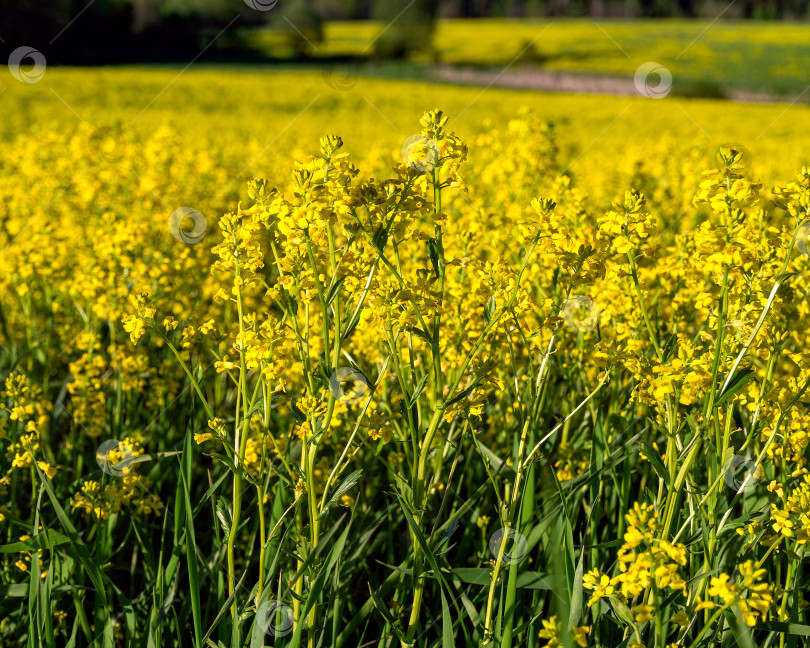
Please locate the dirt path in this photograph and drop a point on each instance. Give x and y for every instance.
(533, 79)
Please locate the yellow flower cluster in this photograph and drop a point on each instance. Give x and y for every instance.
(645, 561)
(100, 501)
(751, 595)
(552, 633)
(25, 424)
(792, 520)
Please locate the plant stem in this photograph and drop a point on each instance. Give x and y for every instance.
(419, 502)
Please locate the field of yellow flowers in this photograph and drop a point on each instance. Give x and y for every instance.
(704, 56)
(297, 358)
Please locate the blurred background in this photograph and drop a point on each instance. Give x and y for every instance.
(77, 32)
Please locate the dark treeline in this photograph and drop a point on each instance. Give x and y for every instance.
(756, 9)
(110, 31)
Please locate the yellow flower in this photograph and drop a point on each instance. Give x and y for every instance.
(782, 522)
(135, 327)
(600, 584)
(643, 613)
(217, 426)
(385, 433)
(202, 437)
(552, 633)
(47, 468)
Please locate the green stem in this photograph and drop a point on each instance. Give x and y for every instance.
(511, 508)
(718, 346)
(437, 319)
(642, 306)
(419, 503)
(262, 536)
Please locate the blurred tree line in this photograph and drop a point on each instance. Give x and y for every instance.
(110, 31)
(757, 9)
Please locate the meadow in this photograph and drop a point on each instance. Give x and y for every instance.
(297, 356)
(706, 58)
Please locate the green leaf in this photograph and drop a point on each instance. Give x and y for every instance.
(786, 628)
(84, 557)
(227, 461)
(419, 332)
(258, 405)
(298, 415)
(380, 239)
(462, 394)
(382, 608)
(318, 584)
(323, 372)
(669, 346)
(497, 463)
(447, 623)
(418, 391)
(489, 310)
(334, 291)
(224, 514)
(46, 540)
(191, 544)
(656, 461)
(577, 596)
(130, 619)
(211, 490)
(349, 328)
(735, 384)
(622, 611)
(344, 487)
(19, 590)
(433, 253)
